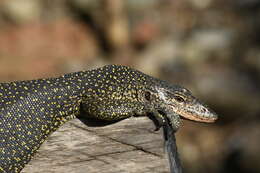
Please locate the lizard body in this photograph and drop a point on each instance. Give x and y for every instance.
(31, 110)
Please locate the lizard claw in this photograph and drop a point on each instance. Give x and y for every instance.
(157, 123)
(156, 128)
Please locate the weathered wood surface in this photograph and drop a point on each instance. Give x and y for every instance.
(128, 146)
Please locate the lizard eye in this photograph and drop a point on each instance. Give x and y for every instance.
(179, 99)
(147, 95)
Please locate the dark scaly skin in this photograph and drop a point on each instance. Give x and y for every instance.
(31, 110)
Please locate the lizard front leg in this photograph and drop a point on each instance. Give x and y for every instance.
(160, 117)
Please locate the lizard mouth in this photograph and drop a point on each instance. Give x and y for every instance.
(197, 112)
(195, 117)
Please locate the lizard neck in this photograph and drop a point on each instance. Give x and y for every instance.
(30, 111)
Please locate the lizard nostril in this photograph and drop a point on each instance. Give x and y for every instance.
(204, 109)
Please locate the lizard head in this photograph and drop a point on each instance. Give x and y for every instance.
(174, 100)
(116, 92)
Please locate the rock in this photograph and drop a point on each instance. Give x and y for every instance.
(22, 11)
(205, 43)
(50, 47)
(201, 4)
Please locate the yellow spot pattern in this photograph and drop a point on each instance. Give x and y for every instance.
(31, 110)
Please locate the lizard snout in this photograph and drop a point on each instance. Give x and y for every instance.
(198, 112)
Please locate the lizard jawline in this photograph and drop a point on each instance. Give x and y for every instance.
(194, 117)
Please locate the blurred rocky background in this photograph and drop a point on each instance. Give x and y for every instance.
(211, 47)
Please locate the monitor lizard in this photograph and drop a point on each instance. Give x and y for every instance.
(31, 110)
